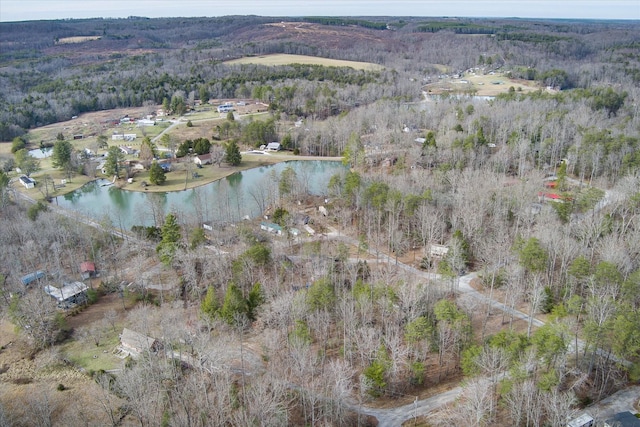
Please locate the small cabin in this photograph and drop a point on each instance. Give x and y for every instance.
(135, 344)
(87, 270)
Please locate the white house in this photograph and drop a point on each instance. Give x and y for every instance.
(27, 182)
(127, 150)
(273, 146)
(145, 122)
(123, 137)
(203, 159)
(225, 108)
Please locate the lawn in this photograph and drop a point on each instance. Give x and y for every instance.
(84, 353)
(178, 180)
(481, 84)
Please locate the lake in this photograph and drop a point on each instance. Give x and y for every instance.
(230, 199)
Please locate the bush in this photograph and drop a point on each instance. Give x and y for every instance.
(17, 144)
(34, 210)
(92, 296)
(61, 387)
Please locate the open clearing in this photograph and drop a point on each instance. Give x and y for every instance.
(286, 59)
(77, 39)
(481, 85)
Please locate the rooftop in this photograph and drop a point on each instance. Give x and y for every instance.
(68, 290)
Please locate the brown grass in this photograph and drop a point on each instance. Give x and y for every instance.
(77, 39)
(285, 59)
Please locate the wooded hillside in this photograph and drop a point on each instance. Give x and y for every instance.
(488, 243)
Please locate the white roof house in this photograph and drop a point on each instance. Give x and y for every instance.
(273, 146)
(27, 182)
(69, 292)
(124, 137)
(145, 122)
(584, 420)
(203, 159)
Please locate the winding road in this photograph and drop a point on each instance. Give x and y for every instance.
(387, 417)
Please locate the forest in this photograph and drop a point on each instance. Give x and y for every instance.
(486, 247)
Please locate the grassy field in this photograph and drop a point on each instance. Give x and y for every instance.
(181, 177)
(481, 85)
(85, 353)
(285, 59)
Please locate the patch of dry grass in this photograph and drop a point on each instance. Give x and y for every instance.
(77, 39)
(285, 59)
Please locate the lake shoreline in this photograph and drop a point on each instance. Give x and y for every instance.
(220, 173)
(240, 194)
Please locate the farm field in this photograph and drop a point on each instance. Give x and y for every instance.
(481, 85)
(285, 59)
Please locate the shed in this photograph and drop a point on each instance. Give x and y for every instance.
(69, 293)
(203, 159)
(274, 146)
(32, 277)
(135, 344)
(87, 269)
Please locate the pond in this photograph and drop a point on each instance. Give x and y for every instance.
(243, 194)
(41, 153)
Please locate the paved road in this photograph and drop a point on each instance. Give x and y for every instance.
(394, 417)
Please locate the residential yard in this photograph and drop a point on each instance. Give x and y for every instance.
(83, 352)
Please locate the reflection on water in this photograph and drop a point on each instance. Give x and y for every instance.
(241, 194)
(41, 153)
